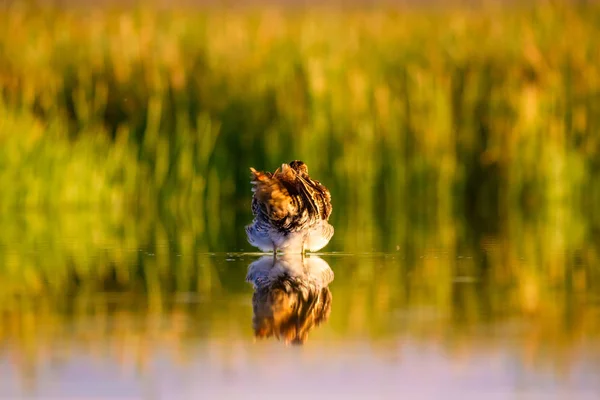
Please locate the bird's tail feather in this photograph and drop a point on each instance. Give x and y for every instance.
(271, 192)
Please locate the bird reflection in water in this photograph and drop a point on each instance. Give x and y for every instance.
(291, 296)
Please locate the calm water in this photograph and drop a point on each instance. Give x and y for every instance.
(95, 309)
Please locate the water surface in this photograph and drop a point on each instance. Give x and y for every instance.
(92, 310)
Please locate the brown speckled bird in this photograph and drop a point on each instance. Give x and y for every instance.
(290, 210)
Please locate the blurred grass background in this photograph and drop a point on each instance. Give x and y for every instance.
(126, 135)
(482, 110)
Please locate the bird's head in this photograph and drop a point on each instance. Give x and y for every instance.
(299, 167)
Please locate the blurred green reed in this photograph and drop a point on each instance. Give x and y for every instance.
(416, 120)
(486, 110)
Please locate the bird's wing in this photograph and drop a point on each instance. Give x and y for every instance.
(316, 197)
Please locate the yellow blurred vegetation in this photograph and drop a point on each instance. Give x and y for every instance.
(486, 109)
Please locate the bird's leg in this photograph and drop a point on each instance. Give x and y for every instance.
(274, 252)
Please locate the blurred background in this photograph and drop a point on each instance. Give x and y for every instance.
(460, 142)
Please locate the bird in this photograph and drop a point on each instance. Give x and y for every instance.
(291, 210)
(291, 296)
